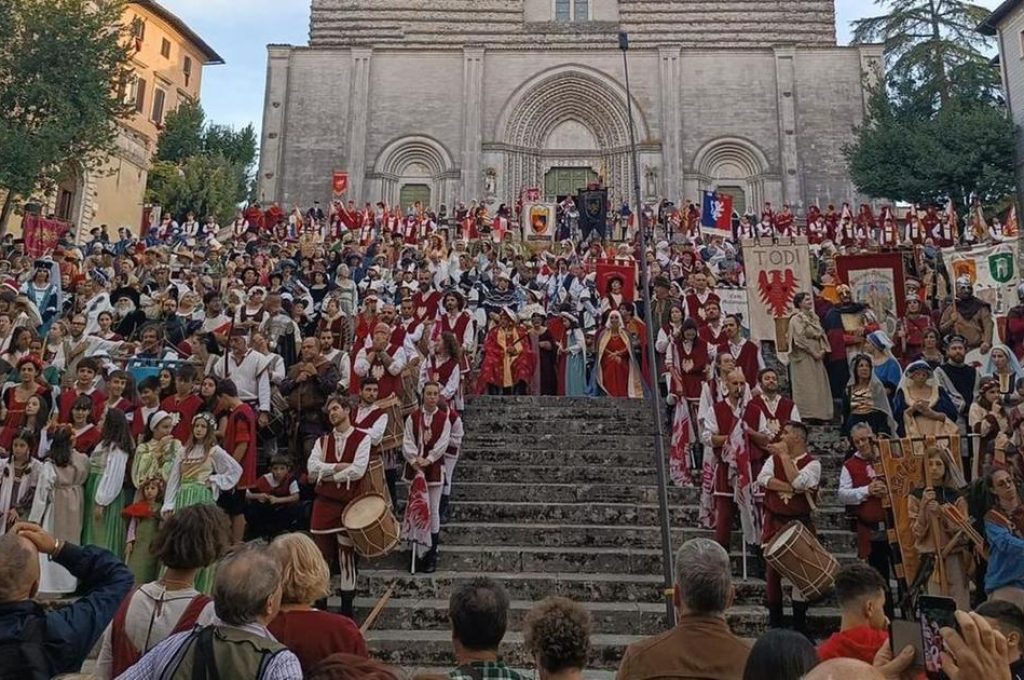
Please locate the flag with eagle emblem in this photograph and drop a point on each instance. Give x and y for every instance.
(416, 521)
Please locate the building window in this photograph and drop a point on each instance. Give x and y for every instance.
(159, 99)
(138, 29)
(139, 86)
(187, 70)
(572, 10)
(165, 48)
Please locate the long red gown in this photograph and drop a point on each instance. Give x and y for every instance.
(615, 371)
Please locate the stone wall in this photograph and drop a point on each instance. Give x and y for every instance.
(527, 24)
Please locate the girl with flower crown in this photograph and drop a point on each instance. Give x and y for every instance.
(198, 474)
(156, 453)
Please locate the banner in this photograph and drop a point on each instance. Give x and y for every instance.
(614, 269)
(42, 235)
(716, 216)
(993, 269)
(734, 301)
(775, 274)
(876, 280)
(529, 195)
(339, 183)
(539, 221)
(593, 207)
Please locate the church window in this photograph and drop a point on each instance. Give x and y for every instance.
(572, 10)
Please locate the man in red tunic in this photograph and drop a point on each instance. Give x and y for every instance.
(427, 436)
(337, 466)
(771, 408)
(790, 479)
(712, 331)
(367, 416)
(719, 423)
(698, 299)
(507, 365)
(239, 439)
(84, 386)
(746, 352)
(862, 490)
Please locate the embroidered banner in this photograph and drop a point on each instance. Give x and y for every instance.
(42, 235)
(775, 272)
(540, 222)
(993, 269)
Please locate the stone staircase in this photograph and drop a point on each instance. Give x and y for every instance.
(558, 496)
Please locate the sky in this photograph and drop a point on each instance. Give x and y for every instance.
(240, 30)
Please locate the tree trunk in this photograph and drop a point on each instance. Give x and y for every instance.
(940, 64)
(5, 212)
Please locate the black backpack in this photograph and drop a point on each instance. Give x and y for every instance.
(25, 658)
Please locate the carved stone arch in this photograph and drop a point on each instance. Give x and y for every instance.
(733, 162)
(544, 104)
(415, 159)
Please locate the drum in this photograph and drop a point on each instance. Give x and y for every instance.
(375, 478)
(410, 389)
(371, 526)
(396, 423)
(796, 554)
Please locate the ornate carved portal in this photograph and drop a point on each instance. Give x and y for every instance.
(568, 117)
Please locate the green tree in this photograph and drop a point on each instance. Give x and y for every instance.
(933, 52)
(63, 67)
(903, 156)
(188, 136)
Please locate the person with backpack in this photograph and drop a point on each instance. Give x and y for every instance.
(246, 597)
(37, 643)
(190, 540)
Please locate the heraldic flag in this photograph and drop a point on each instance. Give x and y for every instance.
(716, 215)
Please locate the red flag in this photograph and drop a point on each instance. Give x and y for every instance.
(1012, 227)
(41, 235)
(606, 270)
(416, 522)
(339, 183)
(736, 453)
(682, 434)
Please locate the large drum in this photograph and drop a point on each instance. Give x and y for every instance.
(410, 390)
(396, 423)
(796, 554)
(371, 526)
(377, 483)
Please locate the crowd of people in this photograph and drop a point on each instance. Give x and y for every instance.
(314, 358)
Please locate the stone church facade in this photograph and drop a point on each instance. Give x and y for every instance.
(449, 100)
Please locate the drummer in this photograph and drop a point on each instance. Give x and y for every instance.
(369, 417)
(427, 436)
(790, 479)
(337, 465)
(384, 360)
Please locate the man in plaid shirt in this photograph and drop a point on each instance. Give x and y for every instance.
(478, 611)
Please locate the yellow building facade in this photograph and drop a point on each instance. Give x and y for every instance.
(168, 59)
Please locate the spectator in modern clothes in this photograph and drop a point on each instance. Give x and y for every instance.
(556, 634)
(863, 628)
(246, 597)
(701, 645)
(312, 634)
(780, 655)
(191, 539)
(478, 612)
(40, 643)
(1008, 619)
(353, 667)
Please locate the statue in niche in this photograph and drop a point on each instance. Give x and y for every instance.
(490, 182)
(650, 181)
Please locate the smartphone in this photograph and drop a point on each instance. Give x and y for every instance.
(934, 613)
(903, 633)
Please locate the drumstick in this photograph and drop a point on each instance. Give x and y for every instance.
(378, 608)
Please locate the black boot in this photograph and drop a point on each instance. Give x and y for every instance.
(348, 598)
(755, 568)
(775, 615)
(445, 513)
(430, 559)
(800, 618)
(391, 479)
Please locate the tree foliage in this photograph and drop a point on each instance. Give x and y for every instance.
(188, 147)
(933, 53)
(63, 64)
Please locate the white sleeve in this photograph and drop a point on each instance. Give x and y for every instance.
(767, 472)
(345, 373)
(376, 432)
(795, 415)
(112, 481)
(410, 448)
(44, 488)
(277, 371)
(398, 362)
(451, 388)
(105, 661)
(848, 494)
(315, 465)
(362, 364)
(662, 343)
(227, 470)
(263, 390)
(457, 433)
(357, 469)
(173, 482)
(808, 478)
(709, 426)
(442, 443)
(469, 337)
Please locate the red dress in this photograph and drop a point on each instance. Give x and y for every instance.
(615, 371)
(492, 367)
(16, 413)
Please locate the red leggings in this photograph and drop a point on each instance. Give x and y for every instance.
(724, 509)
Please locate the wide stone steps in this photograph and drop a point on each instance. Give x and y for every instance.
(478, 471)
(641, 618)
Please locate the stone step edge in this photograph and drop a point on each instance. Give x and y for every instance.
(613, 504)
(617, 527)
(580, 550)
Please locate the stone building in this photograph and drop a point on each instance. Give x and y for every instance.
(1006, 23)
(448, 100)
(167, 63)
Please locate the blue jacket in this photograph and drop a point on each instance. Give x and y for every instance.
(1006, 558)
(72, 631)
